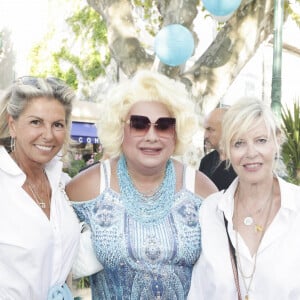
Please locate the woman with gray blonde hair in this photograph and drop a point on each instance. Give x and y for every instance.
(142, 204)
(250, 232)
(39, 232)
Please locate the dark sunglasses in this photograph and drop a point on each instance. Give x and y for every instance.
(34, 81)
(139, 126)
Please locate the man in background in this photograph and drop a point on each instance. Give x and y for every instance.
(212, 164)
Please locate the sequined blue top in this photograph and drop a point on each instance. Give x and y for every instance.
(142, 260)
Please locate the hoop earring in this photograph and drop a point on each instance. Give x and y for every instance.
(12, 144)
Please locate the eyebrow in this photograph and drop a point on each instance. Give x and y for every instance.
(39, 118)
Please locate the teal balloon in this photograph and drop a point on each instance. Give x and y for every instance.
(221, 7)
(174, 45)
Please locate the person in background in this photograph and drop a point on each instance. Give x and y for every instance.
(212, 164)
(250, 232)
(141, 204)
(39, 231)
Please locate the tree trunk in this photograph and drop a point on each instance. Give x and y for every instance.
(235, 44)
(212, 74)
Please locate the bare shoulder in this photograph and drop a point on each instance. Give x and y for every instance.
(203, 185)
(85, 185)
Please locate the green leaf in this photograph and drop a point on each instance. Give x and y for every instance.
(291, 147)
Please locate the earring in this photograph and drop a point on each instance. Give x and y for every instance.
(12, 144)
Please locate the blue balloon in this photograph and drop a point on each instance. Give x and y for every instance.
(174, 45)
(221, 7)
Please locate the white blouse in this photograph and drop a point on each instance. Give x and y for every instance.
(35, 253)
(276, 275)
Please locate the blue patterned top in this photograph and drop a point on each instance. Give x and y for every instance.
(142, 260)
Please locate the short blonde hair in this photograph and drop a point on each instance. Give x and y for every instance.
(243, 116)
(146, 86)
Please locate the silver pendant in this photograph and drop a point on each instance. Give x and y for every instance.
(42, 205)
(248, 221)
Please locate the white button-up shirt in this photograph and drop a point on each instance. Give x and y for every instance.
(35, 253)
(278, 258)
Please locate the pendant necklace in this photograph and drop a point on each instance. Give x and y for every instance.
(249, 220)
(36, 197)
(40, 202)
(239, 264)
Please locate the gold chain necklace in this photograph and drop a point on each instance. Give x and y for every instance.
(239, 264)
(36, 197)
(42, 204)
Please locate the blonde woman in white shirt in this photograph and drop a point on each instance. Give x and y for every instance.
(39, 231)
(250, 232)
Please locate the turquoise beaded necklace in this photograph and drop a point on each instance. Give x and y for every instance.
(147, 210)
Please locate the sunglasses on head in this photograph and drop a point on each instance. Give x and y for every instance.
(34, 81)
(139, 126)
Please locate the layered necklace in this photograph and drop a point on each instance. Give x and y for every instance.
(249, 219)
(263, 227)
(147, 208)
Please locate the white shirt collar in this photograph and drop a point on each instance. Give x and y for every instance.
(9, 166)
(226, 203)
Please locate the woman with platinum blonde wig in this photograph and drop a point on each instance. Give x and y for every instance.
(147, 86)
(250, 232)
(141, 204)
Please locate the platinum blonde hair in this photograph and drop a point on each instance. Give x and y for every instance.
(152, 86)
(242, 117)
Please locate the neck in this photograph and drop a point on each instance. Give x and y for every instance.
(36, 183)
(146, 209)
(34, 172)
(146, 184)
(254, 192)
